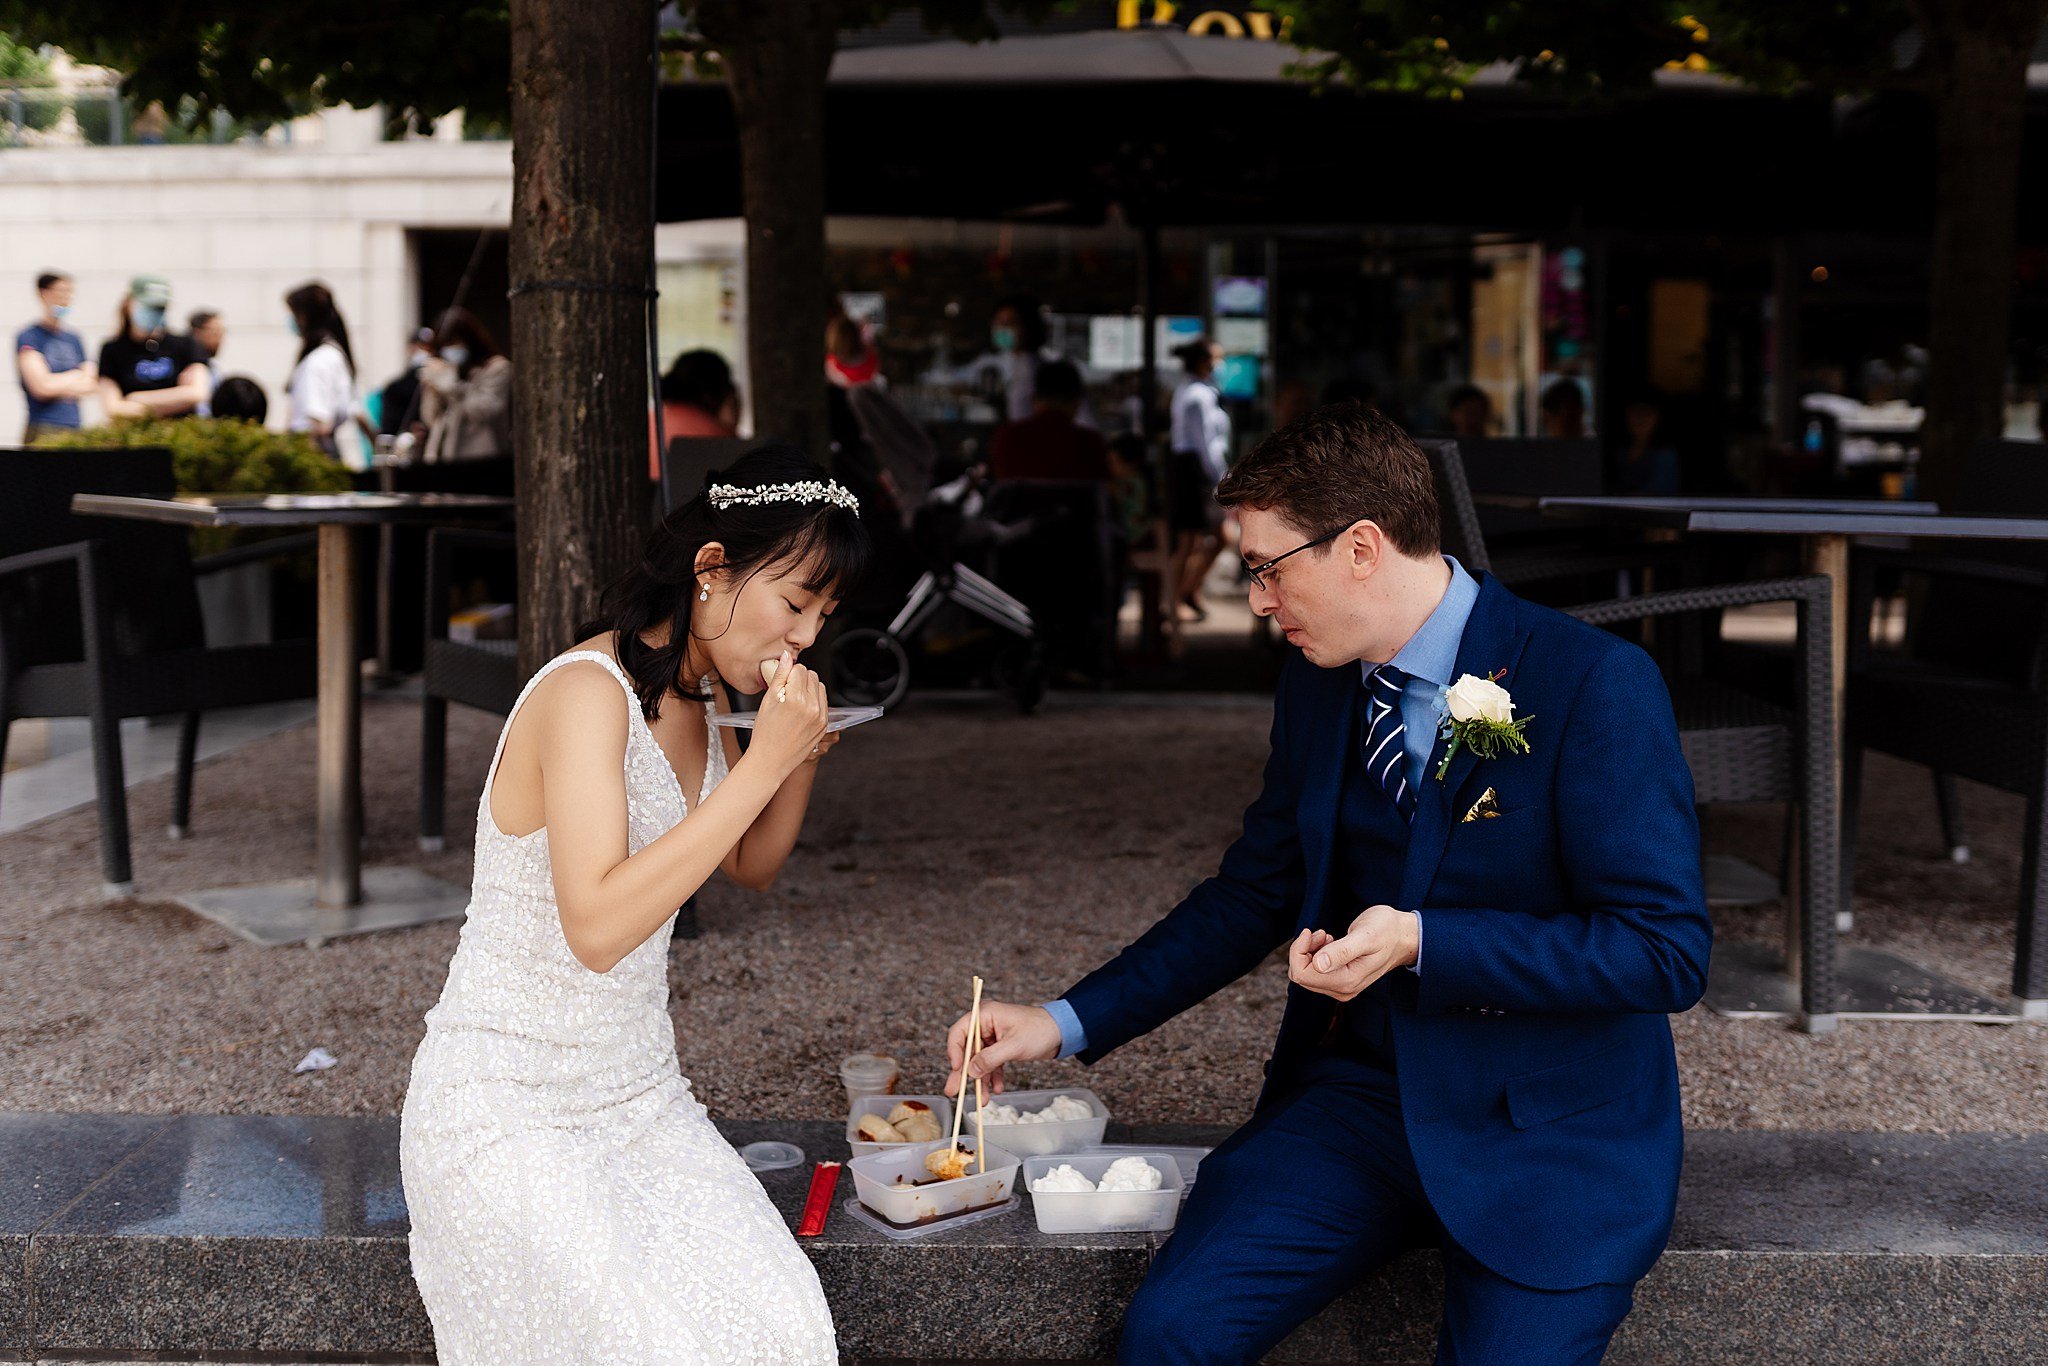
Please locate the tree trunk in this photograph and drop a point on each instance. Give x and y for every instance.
(582, 235)
(777, 58)
(1977, 61)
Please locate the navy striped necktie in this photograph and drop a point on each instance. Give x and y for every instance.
(1382, 746)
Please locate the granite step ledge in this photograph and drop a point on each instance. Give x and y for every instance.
(285, 1238)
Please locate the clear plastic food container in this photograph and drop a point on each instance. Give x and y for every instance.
(942, 1110)
(1033, 1140)
(886, 1182)
(1104, 1211)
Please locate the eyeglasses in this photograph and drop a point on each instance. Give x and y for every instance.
(1258, 572)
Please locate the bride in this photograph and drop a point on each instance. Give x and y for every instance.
(570, 1199)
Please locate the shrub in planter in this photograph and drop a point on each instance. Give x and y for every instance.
(222, 455)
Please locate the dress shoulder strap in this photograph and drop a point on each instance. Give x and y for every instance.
(610, 664)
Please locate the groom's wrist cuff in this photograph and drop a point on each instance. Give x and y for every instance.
(1073, 1038)
(1416, 966)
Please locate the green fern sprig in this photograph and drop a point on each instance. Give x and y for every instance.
(1487, 739)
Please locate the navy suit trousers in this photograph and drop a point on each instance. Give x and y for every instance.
(1294, 1208)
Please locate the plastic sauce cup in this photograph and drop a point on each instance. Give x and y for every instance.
(868, 1074)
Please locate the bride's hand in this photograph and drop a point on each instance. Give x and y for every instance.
(792, 718)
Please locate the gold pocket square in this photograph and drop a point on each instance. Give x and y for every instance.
(1486, 808)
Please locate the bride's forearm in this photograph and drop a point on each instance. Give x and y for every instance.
(633, 899)
(767, 843)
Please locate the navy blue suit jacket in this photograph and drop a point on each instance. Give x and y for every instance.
(1538, 1084)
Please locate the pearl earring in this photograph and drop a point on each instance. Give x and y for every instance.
(704, 593)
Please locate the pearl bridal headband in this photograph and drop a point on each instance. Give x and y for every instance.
(723, 496)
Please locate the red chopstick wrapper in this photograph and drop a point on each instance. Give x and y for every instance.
(818, 1204)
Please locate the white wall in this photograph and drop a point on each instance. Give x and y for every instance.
(235, 227)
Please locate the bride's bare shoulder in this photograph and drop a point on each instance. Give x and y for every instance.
(582, 693)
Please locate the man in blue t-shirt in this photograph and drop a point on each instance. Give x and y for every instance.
(51, 360)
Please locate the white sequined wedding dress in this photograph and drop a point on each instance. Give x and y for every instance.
(570, 1199)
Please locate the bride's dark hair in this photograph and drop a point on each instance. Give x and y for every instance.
(825, 541)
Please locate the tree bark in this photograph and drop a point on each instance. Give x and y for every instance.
(777, 58)
(1977, 64)
(582, 235)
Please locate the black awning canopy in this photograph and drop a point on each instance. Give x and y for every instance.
(1182, 131)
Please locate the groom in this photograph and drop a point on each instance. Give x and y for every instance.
(1482, 950)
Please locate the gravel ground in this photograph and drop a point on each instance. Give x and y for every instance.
(944, 841)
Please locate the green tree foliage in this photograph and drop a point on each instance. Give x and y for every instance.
(24, 78)
(1599, 46)
(21, 64)
(266, 60)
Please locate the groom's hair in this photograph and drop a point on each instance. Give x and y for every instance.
(1338, 465)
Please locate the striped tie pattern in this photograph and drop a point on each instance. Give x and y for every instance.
(1382, 746)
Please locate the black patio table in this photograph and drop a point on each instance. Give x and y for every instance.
(1750, 980)
(342, 897)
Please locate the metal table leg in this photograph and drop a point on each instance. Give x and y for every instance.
(342, 897)
(339, 882)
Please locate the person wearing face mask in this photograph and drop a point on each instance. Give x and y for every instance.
(466, 393)
(1017, 331)
(50, 359)
(145, 371)
(397, 407)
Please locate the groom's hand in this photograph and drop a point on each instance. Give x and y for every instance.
(1008, 1034)
(1380, 940)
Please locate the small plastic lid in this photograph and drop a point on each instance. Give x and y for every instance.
(772, 1156)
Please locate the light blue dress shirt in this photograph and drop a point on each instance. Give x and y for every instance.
(1429, 659)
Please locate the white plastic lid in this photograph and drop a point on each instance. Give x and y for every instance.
(772, 1156)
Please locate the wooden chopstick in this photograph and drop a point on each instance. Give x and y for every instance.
(973, 1039)
(980, 1094)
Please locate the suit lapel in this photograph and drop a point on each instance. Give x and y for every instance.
(1493, 641)
(1322, 790)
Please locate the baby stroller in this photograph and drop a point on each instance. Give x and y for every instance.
(941, 514)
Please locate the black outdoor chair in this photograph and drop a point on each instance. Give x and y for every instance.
(483, 674)
(394, 578)
(1558, 556)
(689, 460)
(100, 618)
(1743, 748)
(1537, 466)
(1066, 570)
(1968, 694)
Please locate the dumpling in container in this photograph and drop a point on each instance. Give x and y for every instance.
(948, 1164)
(915, 1121)
(875, 1129)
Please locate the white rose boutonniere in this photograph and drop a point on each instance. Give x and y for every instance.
(1479, 715)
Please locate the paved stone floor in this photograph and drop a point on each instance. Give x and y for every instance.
(945, 840)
